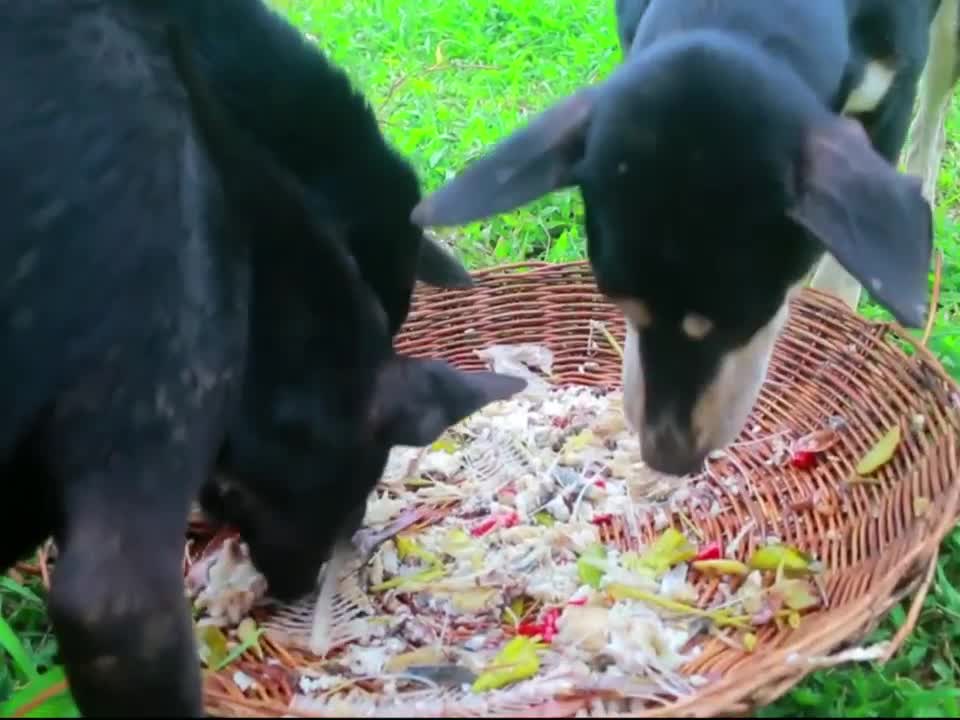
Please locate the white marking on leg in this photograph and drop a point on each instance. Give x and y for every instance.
(873, 88)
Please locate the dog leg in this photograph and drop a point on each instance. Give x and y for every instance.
(927, 138)
(632, 380)
(830, 277)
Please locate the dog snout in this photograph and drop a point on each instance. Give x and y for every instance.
(671, 452)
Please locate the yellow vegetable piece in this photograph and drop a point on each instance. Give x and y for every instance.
(721, 567)
(426, 655)
(797, 594)
(749, 642)
(720, 617)
(671, 548)
(446, 445)
(634, 563)
(516, 661)
(793, 619)
(579, 441)
(881, 453)
(544, 518)
(410, 582)
(417, 482)
(212, 645)
(587, 568)
(247, 632)
(408, 547)
(470, 602)
(456, 541)
(515, 611)
(772, 557)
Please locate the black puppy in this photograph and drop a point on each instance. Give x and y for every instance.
(715, 172)
(325, 398)
(136, 349)
(304, 110)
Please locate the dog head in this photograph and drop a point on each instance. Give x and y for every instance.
(712, 180)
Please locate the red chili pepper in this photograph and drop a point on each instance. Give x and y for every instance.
(529, 629)
(710, 551)
(580, 601)
(803, 459)
(600, 484)
(484, 527)
(603, 519)
(551, 616)
(505, 520)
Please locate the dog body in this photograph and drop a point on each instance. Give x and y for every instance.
(716, 169)
(174, 300)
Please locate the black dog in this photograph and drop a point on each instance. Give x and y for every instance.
(716, 170)
(169, 292)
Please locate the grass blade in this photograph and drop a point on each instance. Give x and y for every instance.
(12, 645)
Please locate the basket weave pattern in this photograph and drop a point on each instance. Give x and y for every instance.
(879, 541)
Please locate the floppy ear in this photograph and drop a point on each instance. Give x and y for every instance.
(418, 400)
(530, 163)
(440, 268)
(873, 219)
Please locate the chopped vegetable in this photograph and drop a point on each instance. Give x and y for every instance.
(803, 459)
(410, 582)
(427, 655)
(602, 519)
(444, 444)
(579, 441)
(881, 453)
(720, 617)
(721, 567)
(671, 548)
(544, 518)
(710, 551)
(546, 628)
(590, 571)
(773, 557)
(212, 645)
(249, 635)
(506, 520)
(517, 661)
(408, 547)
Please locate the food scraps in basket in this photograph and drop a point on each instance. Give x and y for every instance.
(521, 581)
(224, 584)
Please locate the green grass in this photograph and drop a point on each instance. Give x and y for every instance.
(448, 79)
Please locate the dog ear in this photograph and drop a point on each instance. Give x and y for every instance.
(873, 219)
(533, 161)
(440, 268)
(417, 400)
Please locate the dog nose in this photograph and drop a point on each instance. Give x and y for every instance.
(671, 454)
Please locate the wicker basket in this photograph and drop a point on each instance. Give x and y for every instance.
(878, 541)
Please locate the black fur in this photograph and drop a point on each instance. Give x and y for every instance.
(171, 303)
(715, 171)
(318, 126)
